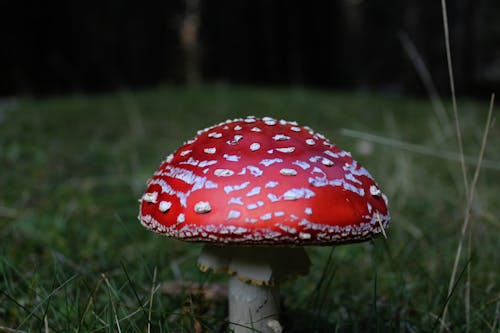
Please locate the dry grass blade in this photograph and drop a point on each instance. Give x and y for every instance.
(426, 78)
(46, 324)
(470, 199)
(381, 226)
(453, 95)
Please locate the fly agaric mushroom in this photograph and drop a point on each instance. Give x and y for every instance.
(256, 191)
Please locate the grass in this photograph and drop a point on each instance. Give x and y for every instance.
(74, 258)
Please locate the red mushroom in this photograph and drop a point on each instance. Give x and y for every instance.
(246, 185)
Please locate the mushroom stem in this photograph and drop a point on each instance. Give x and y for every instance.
(256, 272)
(252, 308)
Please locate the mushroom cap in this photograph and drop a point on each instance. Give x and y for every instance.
(263, 181)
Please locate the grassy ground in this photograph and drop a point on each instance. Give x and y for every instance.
(74, 258)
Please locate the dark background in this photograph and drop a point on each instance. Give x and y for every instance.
(57, 47)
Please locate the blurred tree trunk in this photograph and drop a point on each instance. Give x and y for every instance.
(189, 36)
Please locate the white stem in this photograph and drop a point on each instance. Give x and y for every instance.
(253, 308)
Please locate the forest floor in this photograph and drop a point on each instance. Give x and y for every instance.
(74, 258)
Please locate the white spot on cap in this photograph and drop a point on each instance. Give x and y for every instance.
(223, 172)
(270, 122)
(210, 150)
(268, 162)
(252, 206)
(310, 142)
(295, 129)
(385, 199)
(255, 146)
(170, 158)
(186, 152)
(278, 214)
(271, 184)
(280, 137)
(181, 218)
(233, 214)
(214, 135)
(190, 161)
(374, 190)
(164, 206)
(273, 197)
(253, 191)
(228, 188)
(298, 193)
(250, 120)
(235, 201)
(266, 217)
(207, 163)
(314, 159)
(232, 158)
(327, 161)
(286, 149)
(255, 171)
(237, 127)
(286, 228)
(202, 207)
(150, 197)
(304, 235)
(353, 179)
(308, 211)
(237, 138)
(304, 165)
(256, 129)
(288, 172)
(240, 230)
